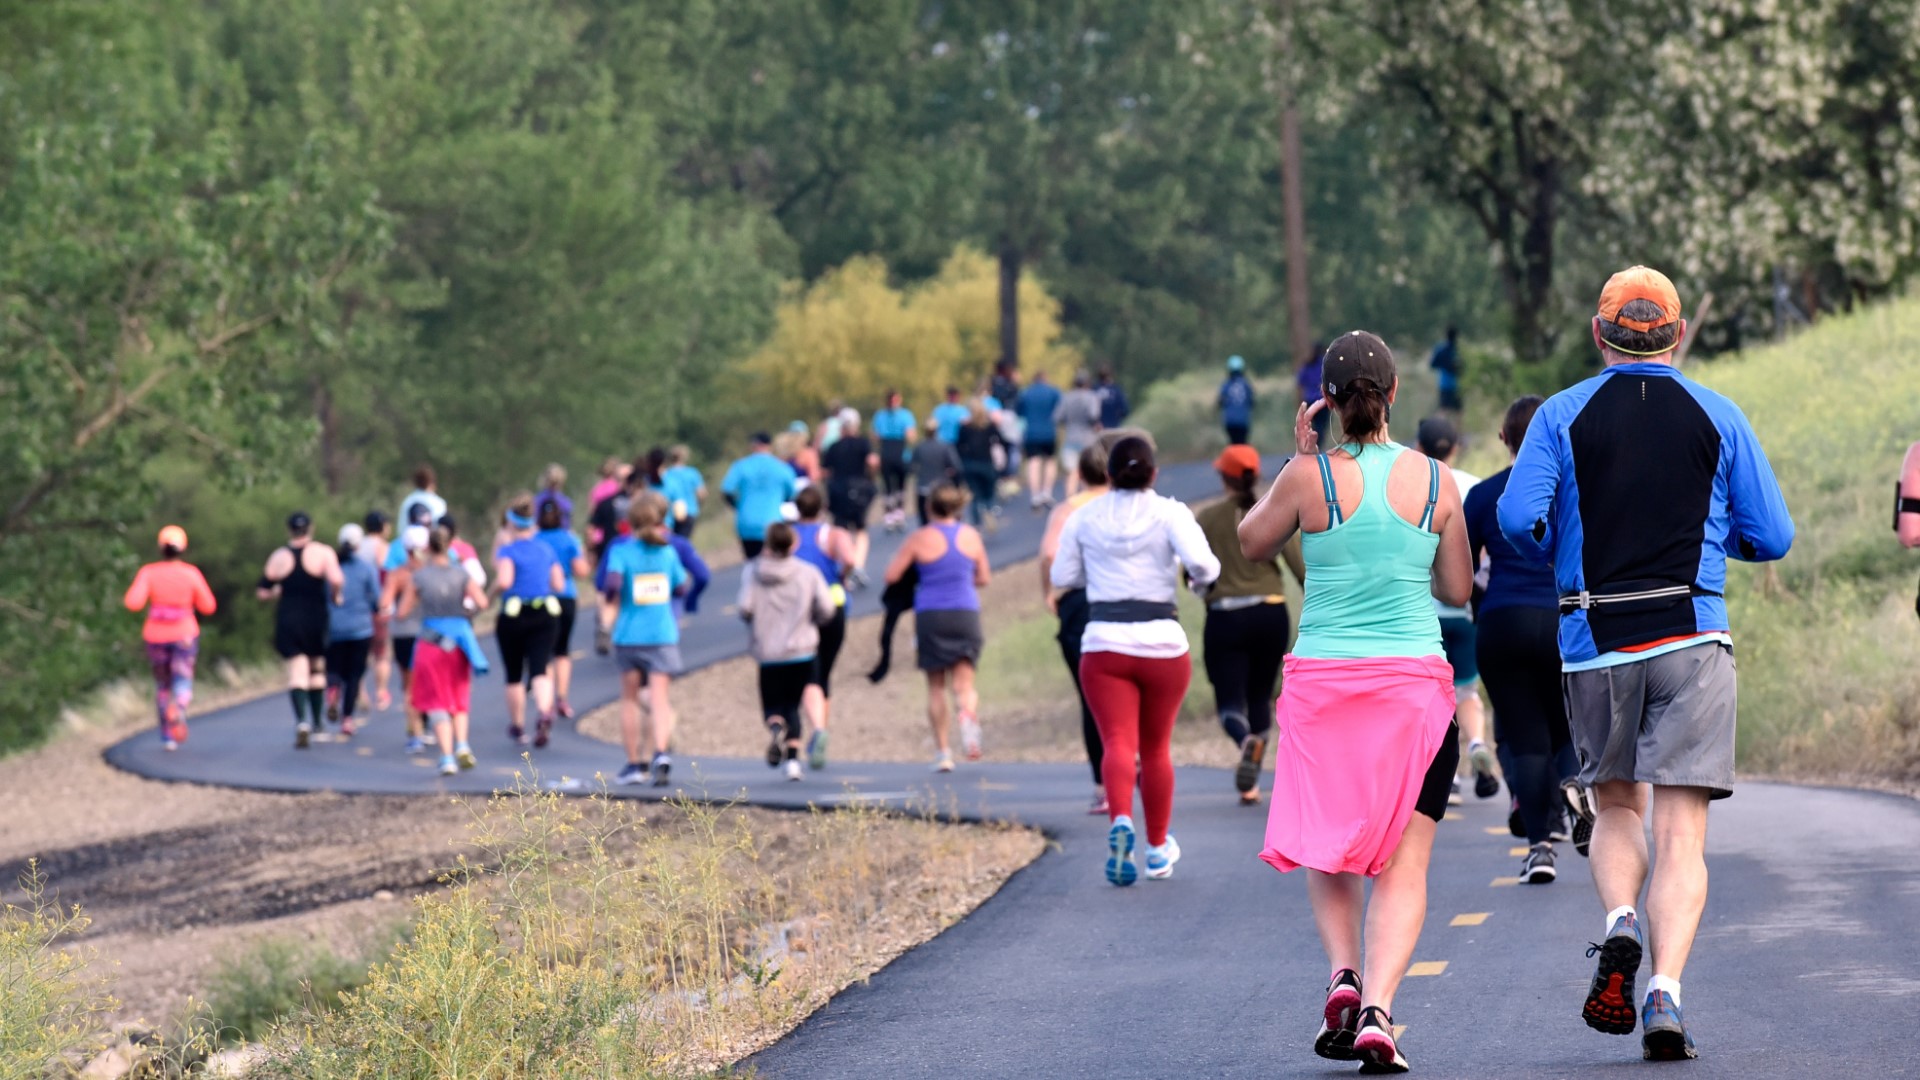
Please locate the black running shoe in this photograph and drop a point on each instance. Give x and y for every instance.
(1485, 784)
(1664, 1035)
(1609, 1006)
(1515, 825)
(776, 745)
(1538, 869)
(1375, 1046)
(1253, 753)
(1341, 1018)
(1580, 801)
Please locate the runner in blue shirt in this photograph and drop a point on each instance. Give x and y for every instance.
(757, 486)
(1039, 440)
(645, 573)
(685, 489)
(1236, 401)
(952, 415)
(895, 428)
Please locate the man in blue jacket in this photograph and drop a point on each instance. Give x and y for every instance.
(1236, 401)
(1639, 484)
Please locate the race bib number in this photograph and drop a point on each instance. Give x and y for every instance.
(649, 590)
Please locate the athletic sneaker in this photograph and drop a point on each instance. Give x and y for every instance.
(817, 751)
(1453, 793)
(333, 711)
(1609, 1006)
(857, 579)
(603, 640)
(347, 728)
(463, 754)
(970, 736)
(542, 731)
(1120, 868)
(662, 764)
(634, 773)
(448, 766)
(175, 729)
(1374, 1045)
(943, 763)
(1580, 802)
(169, 745)
(1516, 824)
(1341, 1017)
(1099, 804)
(302, 735)
(1253, 753)
(1538, 869)
(416, 744)
(1160, 859)
(794, 772)
(563, 709)
(776, 744)
(1485, 784)
(1562, 831)
(1663, 1034)
(517, 734)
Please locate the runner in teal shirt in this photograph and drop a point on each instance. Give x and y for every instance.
(758, 485)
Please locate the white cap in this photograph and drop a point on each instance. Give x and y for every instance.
(849, 415)
(351, 534)
(414, 538)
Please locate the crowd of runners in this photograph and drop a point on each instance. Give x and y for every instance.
(1582, 585)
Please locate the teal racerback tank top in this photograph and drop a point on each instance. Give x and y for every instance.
(1370, 577)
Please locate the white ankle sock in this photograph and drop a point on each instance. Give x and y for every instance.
(1670, 985)
(1127, 818)
(1614, 916)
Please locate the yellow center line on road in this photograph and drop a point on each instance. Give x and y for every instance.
(1399, 1032)
(1471, 918)
(1451, 816)
(1520, 850)
(1499, 881)
(1426, 967)
(1495, 830)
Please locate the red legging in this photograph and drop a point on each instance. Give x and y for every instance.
(1135, 701)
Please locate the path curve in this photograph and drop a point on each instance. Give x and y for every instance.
(1807, 963)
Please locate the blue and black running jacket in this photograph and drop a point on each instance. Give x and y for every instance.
(1638, 484)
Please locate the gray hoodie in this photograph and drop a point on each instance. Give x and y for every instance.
(785, 602)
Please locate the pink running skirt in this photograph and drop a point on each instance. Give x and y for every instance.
(1354, 740)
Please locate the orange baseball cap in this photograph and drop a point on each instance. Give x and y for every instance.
(1237, 460)
(1640, 283)
(175, 537)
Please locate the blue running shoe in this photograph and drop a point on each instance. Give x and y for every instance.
(1160, 859)
(1120, 867)
(1664, 1035)
(1609, 1005)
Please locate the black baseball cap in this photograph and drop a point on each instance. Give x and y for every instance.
(1438, 436)
(376, 520)
(1354, 355)
(299, 522)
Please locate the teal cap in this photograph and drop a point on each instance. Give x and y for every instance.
(1234, 363)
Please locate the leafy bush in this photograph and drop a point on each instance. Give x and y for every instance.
(48, 1007)
(275, 978)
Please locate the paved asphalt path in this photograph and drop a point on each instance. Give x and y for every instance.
(1808, 963)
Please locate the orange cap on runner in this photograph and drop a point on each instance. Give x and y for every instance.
(175, 537)
(1639, 283)
(1236, 460)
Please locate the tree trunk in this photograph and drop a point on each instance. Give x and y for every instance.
(332, 469)
(1293, 203)
(1010, 260)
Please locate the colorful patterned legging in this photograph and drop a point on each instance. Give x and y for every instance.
(172, 664)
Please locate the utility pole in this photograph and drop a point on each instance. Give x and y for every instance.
(1293, 202)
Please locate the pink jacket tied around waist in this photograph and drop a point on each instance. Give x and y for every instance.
(1354, 741)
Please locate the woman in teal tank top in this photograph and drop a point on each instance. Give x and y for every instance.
(1366, 749)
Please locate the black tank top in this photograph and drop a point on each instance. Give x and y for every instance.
(300, 588)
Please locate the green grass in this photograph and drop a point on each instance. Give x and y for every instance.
(275, 978)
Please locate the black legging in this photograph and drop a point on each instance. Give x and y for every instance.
(1519, 655)
(1073, 625)
(1244, 649)
(347, 668)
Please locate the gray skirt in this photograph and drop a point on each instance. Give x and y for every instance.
(946, 639)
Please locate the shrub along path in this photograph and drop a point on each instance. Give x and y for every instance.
(1805, 964)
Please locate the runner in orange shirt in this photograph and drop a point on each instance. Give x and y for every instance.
(171, 591)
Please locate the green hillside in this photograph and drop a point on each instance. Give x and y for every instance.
(1828, 642)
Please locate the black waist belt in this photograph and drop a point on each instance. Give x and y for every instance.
(1586, 601)
(1131, 611)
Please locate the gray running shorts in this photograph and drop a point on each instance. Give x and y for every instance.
(648, 659)
(1666, 721)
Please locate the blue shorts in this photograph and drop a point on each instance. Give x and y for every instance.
(1457, 636)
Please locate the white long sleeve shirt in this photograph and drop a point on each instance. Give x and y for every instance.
(1130, 545)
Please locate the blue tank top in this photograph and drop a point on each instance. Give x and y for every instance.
(807, 549)
(533, 563)
(946, 583)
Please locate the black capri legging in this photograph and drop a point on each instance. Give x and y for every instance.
(1519, 655)
(526, 642)
(347, 668)
(563, 626)
(781, 687)
(893, 468)
(1073, 627)
(1244, 648)
(832, 637)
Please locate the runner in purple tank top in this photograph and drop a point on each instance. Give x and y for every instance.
(952, 563)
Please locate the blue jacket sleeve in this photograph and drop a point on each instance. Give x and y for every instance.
(1762, 525)
(1526, 507)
